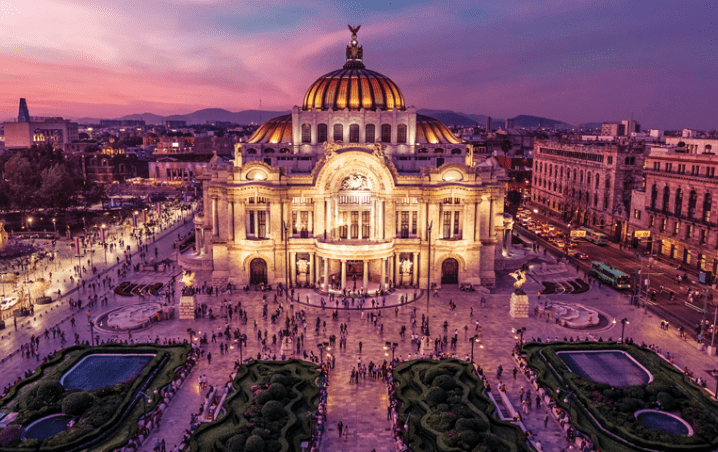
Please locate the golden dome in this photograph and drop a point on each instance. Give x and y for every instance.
(353, 87)
(276, 130)
(430, 130)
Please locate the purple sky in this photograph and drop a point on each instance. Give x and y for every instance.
(572, 60)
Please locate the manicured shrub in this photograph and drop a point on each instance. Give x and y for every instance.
(263, 397)
(435, 396)
(254, 444)
(76, 403)
(445, 382)
(432, 373)
(473, 424)
(235, 443)
(281, 379)
(635, 392)
(629, 405)
(443, 407)
(612, 394)
(273, 411)
(493, 443)
(102, 411)
(666, 401)
(277, 391)
(468, 439)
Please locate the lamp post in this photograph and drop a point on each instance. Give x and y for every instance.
(392, 346)
(624, 322)
(428, 270)
(145, 400)
(54, 225)
(286, 260)
(473, 340)
(104, 240)
(520, 337)
(29, 223)
(567, 399)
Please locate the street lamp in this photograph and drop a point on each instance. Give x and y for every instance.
(428, 270)
(392, 346)
(624, 322)
(286, 260)
(520, 332)
(104, 240)
(54, 225)
(473, 340)
(145, 400)
(29, 223)
(567, 399)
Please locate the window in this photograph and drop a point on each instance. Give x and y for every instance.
(456, 223)
(707, 200)
(581, 177)
(669, 167)
(605, 202)
(656, 166)
(588, 179)
(338, 132)
(703, 237)
(261, 224)
(365, 222)
(404, 224)
(676, 227)
(251, 223)
(663, 225)
(651, 221)
(370, 133)
(304, 224)
(692, 201)
(306, 133)
(689, 231)
(401, 133)
(710, 172)
(386, 133)
(610, 160)
(598, 180)
(679, 202)
(414, 219)
(637, 214)
(294, 222)
(654, 196)
(355, 224)
(608, 183)
(447, 225)
(354, 133)
(666, 198)
(322, 133)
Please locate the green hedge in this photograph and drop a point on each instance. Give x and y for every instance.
(111, 408)
(267, 413)
(606, 414)
(448, 412)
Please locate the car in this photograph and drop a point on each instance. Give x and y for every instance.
(8, 303)
(581, 255)
(560, 243)
(572, 245)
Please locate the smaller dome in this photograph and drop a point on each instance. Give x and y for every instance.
(430, 130)
(276, 130)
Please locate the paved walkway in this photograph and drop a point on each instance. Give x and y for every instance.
(363, 407)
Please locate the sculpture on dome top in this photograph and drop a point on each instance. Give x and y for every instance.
(354, 52)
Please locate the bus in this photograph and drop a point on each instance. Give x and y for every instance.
(610, 275)
(596, 237)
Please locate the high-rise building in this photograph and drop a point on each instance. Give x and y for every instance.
(488, 124)
(24, 113)
(352, 188)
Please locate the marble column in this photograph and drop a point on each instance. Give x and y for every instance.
(382, 282)
(230, 222)
(344, 274)
(366, 274)
(241, 222)
(372, 220)
(397, 269)
(415, 270)
(215, 218)
(197, 242)
(311, 268)
(292, 268)
(326, 273)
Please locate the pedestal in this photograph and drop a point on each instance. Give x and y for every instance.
(519, 306)
(287, 348)
(427, 346)
(711, 350)
(187, 305)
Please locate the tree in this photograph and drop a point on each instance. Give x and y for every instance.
(505, 147)
(58, 189)
(22, 182)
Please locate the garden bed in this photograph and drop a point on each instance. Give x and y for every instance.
(447, 410)
(128, 289)
(607, 413)
(105, 418)
(270, 410)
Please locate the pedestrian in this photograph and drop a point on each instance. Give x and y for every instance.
(346, 433)
(388, 413)
(360, 344)
(498, 371)
(545, 421)
(209, 358)
(515, 372)
(163, 445)
(340, 426)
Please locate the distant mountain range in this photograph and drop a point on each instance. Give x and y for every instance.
(448, 117)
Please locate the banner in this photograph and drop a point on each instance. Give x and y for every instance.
(134, 219)
(77, 246)
(144, 217)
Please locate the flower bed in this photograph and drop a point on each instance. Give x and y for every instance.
(447, 411)
(105, 418)
(128, 289)
(606, 413)
(270, 410)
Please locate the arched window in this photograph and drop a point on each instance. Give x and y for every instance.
(588, 179)
(285, 151)
(354, 133)
(122, 168)
(266, 151)
(561, 171)
(679, 202)
(550, 170)
(575, 173)
(608, 182)
(423, 151)
(438, 150)
(386, 133)
(598, 181)
(370, 133)
(707, 200)
(654, 196)
(666, 198)
(456, 151)
(322, 133)
(306, 133)
(253, 151)
(338, 132)
(104, 162)
(692, 201)
(401, 133)
(581, 177)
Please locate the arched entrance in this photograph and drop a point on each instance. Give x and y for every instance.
(258, 271)
(450, 271)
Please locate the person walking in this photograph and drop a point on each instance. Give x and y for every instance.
(346, 433)
(209, 358)
(545, 421)
(340, 426)
(360, 344)
(515, 372)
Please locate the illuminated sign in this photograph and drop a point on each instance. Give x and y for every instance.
(578, 233)
(642, 234)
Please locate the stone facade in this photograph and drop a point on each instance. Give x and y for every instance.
(588, 183)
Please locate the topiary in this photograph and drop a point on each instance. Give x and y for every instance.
(235, 443)
(263, 397)
(635, 392)
(273, 446)
(494, 443)
(468, 439)
(666, 401)
(76, 403)
(629, 405)
(279, 378)
(443, 407)
(435, 395)
(445, 382)
(433, 373)
(254, 444)
(473, 424)
(277, 391)
(273, 411)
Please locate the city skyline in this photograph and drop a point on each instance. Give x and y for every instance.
(574, 61)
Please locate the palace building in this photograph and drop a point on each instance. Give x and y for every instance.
(351, 186)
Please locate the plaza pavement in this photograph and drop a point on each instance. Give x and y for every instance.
(362, 407)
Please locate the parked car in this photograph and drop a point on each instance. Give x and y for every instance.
(581, 255)
(8, 303)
